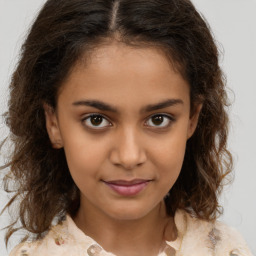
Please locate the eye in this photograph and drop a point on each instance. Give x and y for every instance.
(96, 121)
(160, 120)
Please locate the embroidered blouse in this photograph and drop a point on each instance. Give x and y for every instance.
(195, 238)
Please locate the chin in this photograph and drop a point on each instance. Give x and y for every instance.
(128, 212)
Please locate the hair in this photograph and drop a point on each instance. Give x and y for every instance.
(63, 32)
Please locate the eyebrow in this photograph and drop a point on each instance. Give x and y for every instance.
(96, 104)
(106, 107)
(162, 104)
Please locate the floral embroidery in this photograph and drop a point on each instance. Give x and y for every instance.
(59, 240)
(214, 237)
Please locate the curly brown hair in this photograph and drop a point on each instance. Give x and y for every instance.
(61, 34)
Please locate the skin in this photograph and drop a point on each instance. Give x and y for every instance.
(128, 144)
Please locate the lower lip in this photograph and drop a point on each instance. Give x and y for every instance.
(130, 190)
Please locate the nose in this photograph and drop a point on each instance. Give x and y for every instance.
(128, 150)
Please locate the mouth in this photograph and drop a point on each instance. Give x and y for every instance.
(127, 188)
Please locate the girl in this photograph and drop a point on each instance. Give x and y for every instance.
(117, 117)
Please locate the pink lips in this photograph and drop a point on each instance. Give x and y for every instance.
(127, 188)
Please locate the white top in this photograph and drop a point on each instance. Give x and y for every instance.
(195, 238)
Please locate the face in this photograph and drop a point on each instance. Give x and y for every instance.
(123, 120)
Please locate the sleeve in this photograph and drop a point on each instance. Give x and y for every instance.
(204, 238)
(230, 243)
(22, 249)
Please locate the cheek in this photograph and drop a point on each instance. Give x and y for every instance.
(84, 157)
(170, 156)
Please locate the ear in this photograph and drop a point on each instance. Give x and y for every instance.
(52, 126)
(194, 120)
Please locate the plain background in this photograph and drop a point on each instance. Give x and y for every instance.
(233, 23)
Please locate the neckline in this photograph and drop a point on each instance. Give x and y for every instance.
(180, 220)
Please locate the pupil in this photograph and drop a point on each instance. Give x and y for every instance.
(96, 120)
(157, 120)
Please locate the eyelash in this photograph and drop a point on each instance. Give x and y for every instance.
(170, 120)
(95, 127)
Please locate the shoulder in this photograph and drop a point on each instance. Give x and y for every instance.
(201, 238)
(52, 242)
(64, 239)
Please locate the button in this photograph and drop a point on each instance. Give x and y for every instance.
(234, 253)
(169, 251)
(94, 250)
(24, 253)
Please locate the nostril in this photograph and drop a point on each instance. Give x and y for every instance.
(127, 161)
(128, 151)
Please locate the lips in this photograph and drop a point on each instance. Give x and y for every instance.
(127, 188)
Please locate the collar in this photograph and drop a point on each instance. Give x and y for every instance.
(71, 231)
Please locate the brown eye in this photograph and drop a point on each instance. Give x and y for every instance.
(160, 120)
(96, 121)
(157, 120)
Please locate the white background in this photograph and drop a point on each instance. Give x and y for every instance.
(234, 24)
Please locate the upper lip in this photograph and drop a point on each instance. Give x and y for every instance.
(127, 182)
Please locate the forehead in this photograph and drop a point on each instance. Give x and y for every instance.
(118, 55)
(117, 71)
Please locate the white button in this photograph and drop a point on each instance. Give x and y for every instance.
(94, 250)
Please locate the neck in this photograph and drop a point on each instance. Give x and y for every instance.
(144, 236)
